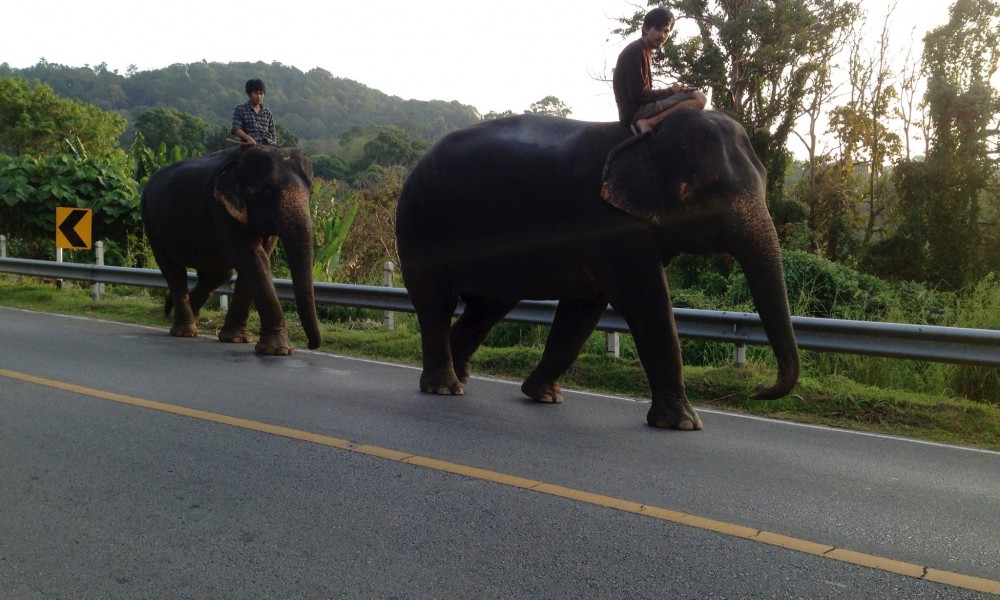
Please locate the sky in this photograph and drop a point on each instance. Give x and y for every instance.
(495, 56)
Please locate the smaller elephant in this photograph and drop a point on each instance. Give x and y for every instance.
(225, 211)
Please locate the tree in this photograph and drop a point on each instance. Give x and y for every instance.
(352, 133)
(960, 59)
(315, 106)
(906, 109)
(97, 86)
(285, 137)
(393, 146)
(821, 91)
(372, 238)
(35, 121)
(332, 218)
(836, 192)
(172, 127)
(814, 189)
(329, 167)
(497, 115)
(549, 105)
(146, 160)
(219, 139)
(861, 127)
(756, 58)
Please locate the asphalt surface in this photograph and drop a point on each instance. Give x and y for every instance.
(104, 498)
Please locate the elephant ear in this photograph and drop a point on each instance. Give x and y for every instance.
(305, 165)
(226, 189)
(631, 177)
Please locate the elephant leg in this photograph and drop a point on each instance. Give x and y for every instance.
(185, 319)
(644, 303)
(572, 325)
(434, 313)
(469, 331)
(208, 282)
(234, 329)
(185, 323)
(274, 339)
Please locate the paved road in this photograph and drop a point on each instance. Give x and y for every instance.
(136, 465)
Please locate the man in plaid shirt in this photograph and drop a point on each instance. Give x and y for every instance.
(253, 123)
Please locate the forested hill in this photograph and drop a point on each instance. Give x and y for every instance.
(315, 106)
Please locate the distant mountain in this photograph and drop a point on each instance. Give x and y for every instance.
(315, 106)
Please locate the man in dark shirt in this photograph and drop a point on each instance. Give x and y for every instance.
(253, 123)
(639, 105)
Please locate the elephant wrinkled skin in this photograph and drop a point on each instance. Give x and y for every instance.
(226, 211)
(535, 207)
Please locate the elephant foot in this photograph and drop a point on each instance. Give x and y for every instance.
(184, 330)
(276, 344)
(463, 372)
(235, 335)
(677, 414)
(442, 384)
(548, 392)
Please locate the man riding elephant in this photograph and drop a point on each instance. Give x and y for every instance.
(640, 106)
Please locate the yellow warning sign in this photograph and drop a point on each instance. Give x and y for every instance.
(73, 227)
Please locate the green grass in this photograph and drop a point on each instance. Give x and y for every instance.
(831, 400)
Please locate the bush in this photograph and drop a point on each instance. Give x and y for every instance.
(979, 309)
(31, 189)
(506, 335)
(820, 288)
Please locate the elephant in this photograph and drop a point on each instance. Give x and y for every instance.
(547, 208)
(225, 211)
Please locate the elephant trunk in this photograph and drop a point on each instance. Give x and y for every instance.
(766, 279)
(296, 237)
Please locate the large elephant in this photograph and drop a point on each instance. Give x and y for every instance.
(535, 207)
(226, 211)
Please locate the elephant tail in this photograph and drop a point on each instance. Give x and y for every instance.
(168, 305)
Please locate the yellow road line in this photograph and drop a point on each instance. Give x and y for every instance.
(775, 539)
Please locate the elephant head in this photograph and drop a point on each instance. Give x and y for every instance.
(697, 180)
(267, 190)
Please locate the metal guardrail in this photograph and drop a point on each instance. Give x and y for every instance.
(893, 340)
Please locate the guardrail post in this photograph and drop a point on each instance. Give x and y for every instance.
(612, 344)
(95, 292)
(390, 317)
(740, 355)
(3, 246)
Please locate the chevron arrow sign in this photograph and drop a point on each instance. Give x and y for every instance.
(73, 226)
